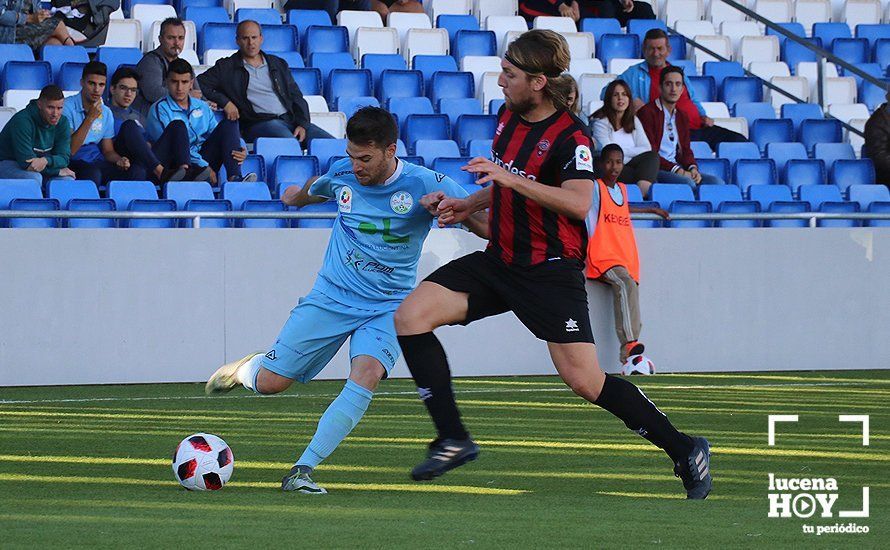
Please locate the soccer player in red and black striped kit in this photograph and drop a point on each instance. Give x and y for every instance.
(543, 184)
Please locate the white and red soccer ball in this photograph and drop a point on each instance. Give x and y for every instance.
(203, 462)
(638, 364)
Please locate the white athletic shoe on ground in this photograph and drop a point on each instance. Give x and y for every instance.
(299, 480)
(226, 377)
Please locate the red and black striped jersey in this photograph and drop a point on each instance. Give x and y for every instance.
(551, 151)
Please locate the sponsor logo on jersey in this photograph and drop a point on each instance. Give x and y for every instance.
(401, 202)
(508, 166)
(583, 158)
(543, 147)
(359, 262)
(344, 199)
(499, 129)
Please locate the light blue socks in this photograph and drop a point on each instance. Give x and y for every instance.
(337, 421)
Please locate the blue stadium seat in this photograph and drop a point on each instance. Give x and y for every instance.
(127, 5)
(401, 107)
(742, 89)
(56, 55)
(754, 110)
(600, 27)
(467, 42)
(125, 192)
(253, 163)
(349, 105)
(804, 172)
(739, 207)
(454, 23)
(308, 80)
(480, 148)
(309, 223)
(666, 193)
(734, 151)
(834, 207)
(64, 190)
(821, 130)
(324, 149)
(280, 38)
(451, 167)
(794, 53)
(689, 68)
(425, 127)
(269, 148)
(830, 152)
(645, 224)
(217, 36)
(201, 15)
(181, 192)
(788, 207)
(263, 16)
(293, 59)
(689, 207)
(721, 70)
(882, 207)
(678, 52)
(15, 52)
(794, 28)
(763, 131)
(253, 205)
(325, 40)
(748, 172)
(798, 112)
(240, 191)
(717, 194)
(347, 83)
(181, 5)
(447, 84)
(852, 50)
(207, 205)
(701, 150)
(704, 87)
(873, 95)
(882, 53)
(847, 172)
(96, 204)
(781, 153)
(431, 149)
(150, 205)
(303, 19)
(715, 167)
(413, 159)
(328, 61)
(69, 75)
(399, 83)
(872, 69)
(430, 64)
(455, 107)
(766, 195)
(115, 57)
(828, 32)
(292, 169)
(872, 33)
(865, 195)
(633, 192)
(470, 127)
(615, 46)
(379, 62)
(34, 204)
(495, 105)
(640, 27)
(817, 194)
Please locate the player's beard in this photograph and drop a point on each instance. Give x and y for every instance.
(521, 107)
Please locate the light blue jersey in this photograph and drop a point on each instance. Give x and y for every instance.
(379, 232)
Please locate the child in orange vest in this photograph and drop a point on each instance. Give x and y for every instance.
(612, 255)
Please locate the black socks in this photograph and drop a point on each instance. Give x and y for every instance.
(429, 367)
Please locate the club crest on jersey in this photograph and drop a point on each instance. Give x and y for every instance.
(401, 202)
(543, 147)
(583, 158)
(344, 199)
(499, 129)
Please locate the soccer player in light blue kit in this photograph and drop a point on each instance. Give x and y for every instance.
(385, 207)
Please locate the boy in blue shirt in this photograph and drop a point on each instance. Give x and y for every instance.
(210, 144)
(370, 265)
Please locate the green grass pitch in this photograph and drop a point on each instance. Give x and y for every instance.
(90, 466)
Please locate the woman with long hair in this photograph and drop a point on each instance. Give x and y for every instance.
(616, 122)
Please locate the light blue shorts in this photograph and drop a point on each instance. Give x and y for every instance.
(319, 326)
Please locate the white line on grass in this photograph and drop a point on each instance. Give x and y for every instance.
(385, 393)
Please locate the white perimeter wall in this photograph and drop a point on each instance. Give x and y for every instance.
(117, 306)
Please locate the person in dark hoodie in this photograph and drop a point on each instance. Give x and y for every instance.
(258, 90)
(877, 142)
(36, 142)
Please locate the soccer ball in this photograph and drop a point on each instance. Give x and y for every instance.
(203, 462)
(638, 364)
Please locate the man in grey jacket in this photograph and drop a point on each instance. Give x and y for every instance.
(152, 68)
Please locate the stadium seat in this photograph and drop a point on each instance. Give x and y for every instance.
(735, 151)
(470, 127)
(758, 49)
(485, 8)
(399, 83)
(763, 131)
(455, 107)
(717, 194)
(857, 12)
(645, 224)
(308, 80)
(788, 207)
(201, 15)
(470, 42)
(794, 28)
(292, 169)
(445, 84)
(148, 13)
(830, 152)
(280, 38)
(64, 190)
(480, 148)
(495, 105)
(181, 192)
(848, 172)
(430, 64)
(431, 149)
(94, 204)
(782, 152)
(834, 207)
(325, 40)
(882, 207)
(401, 107)
(328, 61)
(794, 54)
(57, 55)
(736, 31)
(123, 33)
(125, 192)
(379, 62)
(750, 172)
(704, 87)
(217, 36)
(479, 65)
(581, 45)
(269, 149)
(25, 75)
(817, 194)
(715, 167)
(454, 23)
(69, 76)
(613, 46)
(375, 41)
(640, 27)
(865, 195)
(721, 70)
(766, 195)
(303, 19)
(739, 207)
(403, 22)
(207, 205)
(873, 95)
(828, 32)
(872, 33)
(701, 150)
(321, 223)
(501, 25)
(600, 27)
(814, 131)
(425, 42)
(253, 163)
(633, 192)
(451, 167)
(16, 52)
(324, 149)
(801, 173)
(848, 113)
(238, 192)
(808, 12)
(852, 50)
(263, 16)
(332, 123)
(434, 127)
(114, 57)
(33, 205)
(559, 24)
(741, 89)
(689, 207)
(754, 110)
(150, 205)
(349, 105)
(592, 86)
(19, 99)
(347, 83)
(666, 193)
(798, 112)
(718, 44)
(255, 205)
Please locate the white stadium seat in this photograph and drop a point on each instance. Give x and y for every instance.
(510, 37)
(404, 21)
(758, 49)
(591, 86)
(214, 55)
(435, 8)
(5, 114)
(199, 69)
(234, 5)
(19, 99)
(501, 24)
(807, 12)
(191, 56)
(558, 24)
(779, 11)
(375, 40)
(859, 12)
(715, 109)
(797, 86)
(736, 124)
(768, 70)
(693, 27)
(124, 33)
(719, 13)
(808, 70)
(736, 30)
(839, 90)
(675, 10)
(593, 106)
(353, 19)
(489, 89)
(847, 112)
(581, 44)
(425, 42)
(855, 139)
(147, 15)
(717, 44)
(479, 65)
(333, 123)
(483, 9)
(618, 65)
(316, 103)
(578, 67)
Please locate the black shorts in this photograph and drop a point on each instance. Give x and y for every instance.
(549, 298)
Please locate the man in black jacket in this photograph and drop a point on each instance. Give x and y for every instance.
(258, 90)
(877, 142)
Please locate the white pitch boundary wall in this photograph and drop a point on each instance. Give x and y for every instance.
(126, 306)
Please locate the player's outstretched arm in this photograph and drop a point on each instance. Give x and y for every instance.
(300, 197)
(478, 224)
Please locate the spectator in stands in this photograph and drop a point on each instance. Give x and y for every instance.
(643, 81)
(616, 123)
(568, 88)
(86, 19)
(210, 144)
(331, 6)
(257, 89)
(622, 10)
(553, 8)
(667, 127)
(612, 257)
(385, 7)
(36, 142)
(877, 141)
(153, 66)
(25, 22)
(124, 90)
